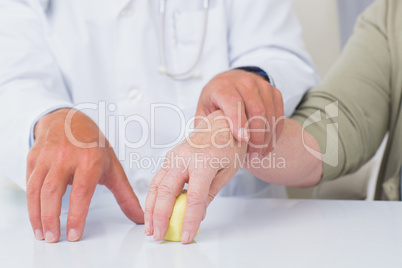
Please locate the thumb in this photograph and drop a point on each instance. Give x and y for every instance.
(202, 112)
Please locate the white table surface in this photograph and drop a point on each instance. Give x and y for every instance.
(236, 233)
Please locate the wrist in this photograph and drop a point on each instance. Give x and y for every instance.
(214, 130)
(222, 135)
(49, 119)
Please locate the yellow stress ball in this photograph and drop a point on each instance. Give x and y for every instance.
(177, 218)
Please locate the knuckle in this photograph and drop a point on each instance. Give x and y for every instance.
(48, 150)
(165, 190)
(234, 98)
(49, 189)
(195, 199)
(32, 191)
(62, 154)
(81, 191)
(257, 110)
(148, 210)
(267, 86)
(153, 188)
(248, 81)
(160, 216)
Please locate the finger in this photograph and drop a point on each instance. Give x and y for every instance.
(82, 190)
(119, 185)
(169, 188)
(197, 196)
(279, 115)
(232, 105)
(205, 106)
(221, 179)
(53, 189)
(150, 201)
(256, 114)
(200, 114)
(267, 97)
(31, 163)
(33, 193)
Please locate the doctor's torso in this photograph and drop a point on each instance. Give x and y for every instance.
(103, 58)
(108, 54)
(109, 50)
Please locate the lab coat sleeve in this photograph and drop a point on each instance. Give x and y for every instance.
(267, 34)
(30, 83)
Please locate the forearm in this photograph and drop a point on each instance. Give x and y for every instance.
(353, 102)
(290, 163)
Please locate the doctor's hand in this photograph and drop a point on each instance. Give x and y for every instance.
(207, 160)
(254, 106)
(70, 152)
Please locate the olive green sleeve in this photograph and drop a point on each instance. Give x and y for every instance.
(354, 99)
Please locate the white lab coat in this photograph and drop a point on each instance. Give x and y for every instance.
(62, 53)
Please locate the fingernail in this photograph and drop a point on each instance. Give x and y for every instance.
(185, 238)
(49, 237)
(39, 234)
(72, 235)
(157, 234)
(243, 133)
(147, 229)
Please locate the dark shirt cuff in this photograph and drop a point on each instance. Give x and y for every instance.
(256, 70)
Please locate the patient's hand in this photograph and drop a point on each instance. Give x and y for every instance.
(207, 160)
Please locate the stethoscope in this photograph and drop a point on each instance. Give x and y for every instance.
(191, 72)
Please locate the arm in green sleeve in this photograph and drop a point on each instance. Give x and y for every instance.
(354, 99)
